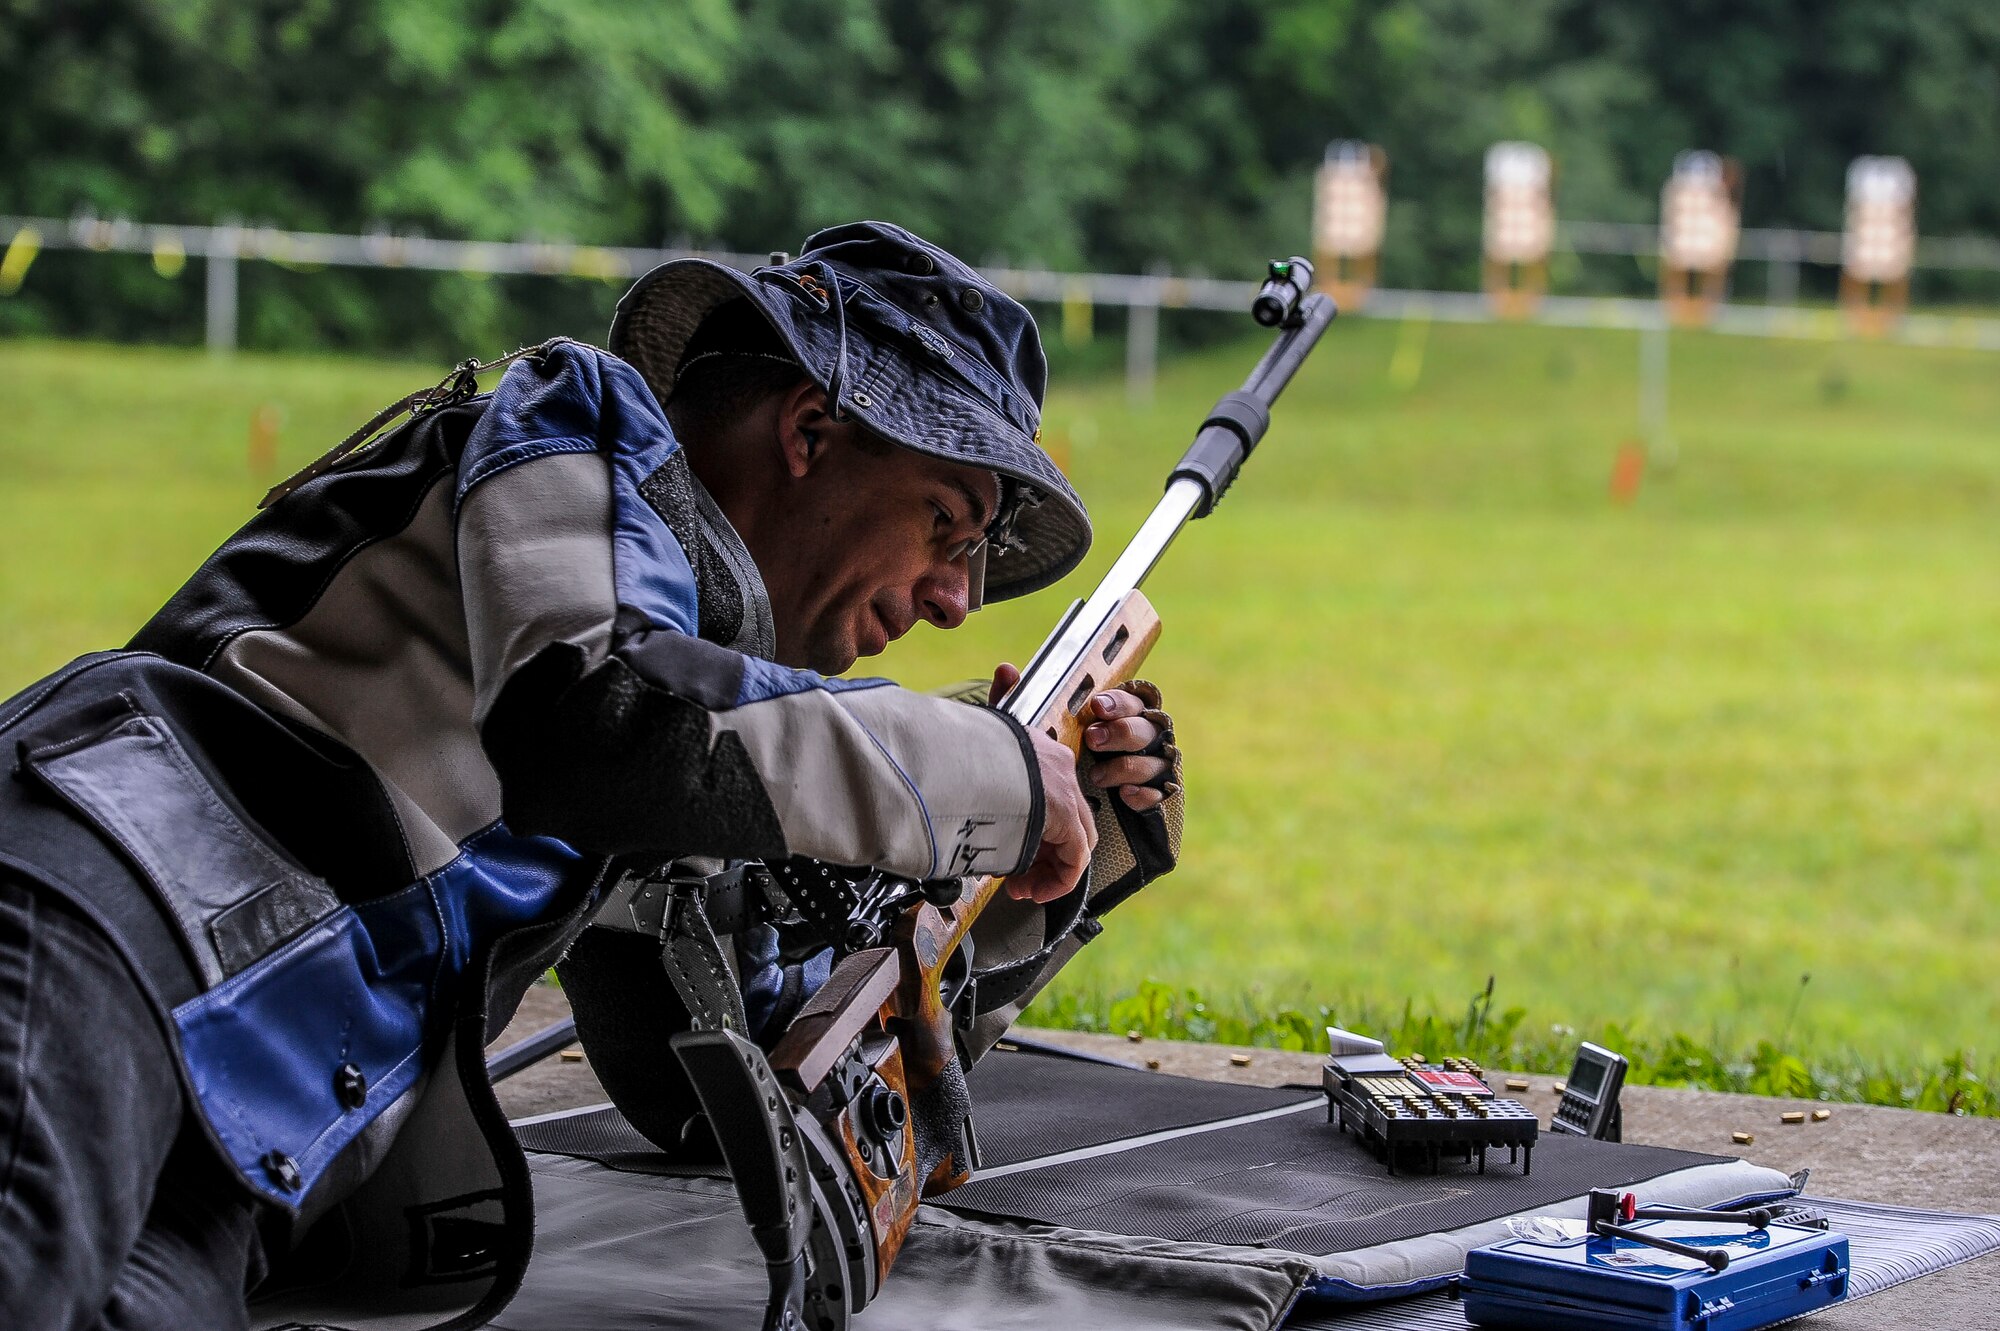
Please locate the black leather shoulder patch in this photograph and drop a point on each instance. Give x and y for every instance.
(691, 668)
(268, 919)
(615, 764)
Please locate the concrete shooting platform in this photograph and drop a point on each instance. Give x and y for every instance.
(1863, 1152)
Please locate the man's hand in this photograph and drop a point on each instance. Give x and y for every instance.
(1124, 734)
(1121, 734)
(1069, 830)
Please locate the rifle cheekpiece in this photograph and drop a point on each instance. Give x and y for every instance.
(822, 1134)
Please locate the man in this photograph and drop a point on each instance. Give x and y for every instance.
(270, 881)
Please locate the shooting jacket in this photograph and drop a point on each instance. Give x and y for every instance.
(362, 780)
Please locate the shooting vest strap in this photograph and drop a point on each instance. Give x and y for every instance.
(689, 911)
(456, 387)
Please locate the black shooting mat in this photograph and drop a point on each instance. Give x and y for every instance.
(1024, 1105)
(1027, 1105)
(1292, 1182)
(601, 1135)
(1299, 1184)
(628, 1252)
(604, 1240)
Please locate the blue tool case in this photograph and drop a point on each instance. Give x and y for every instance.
(1598, 1284)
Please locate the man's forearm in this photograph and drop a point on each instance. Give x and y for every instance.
(666, 747)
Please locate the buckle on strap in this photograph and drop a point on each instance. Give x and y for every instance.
(733, 900)
(694, 958)
(690, 913)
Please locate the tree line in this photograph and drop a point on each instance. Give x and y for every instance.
(1112, 134)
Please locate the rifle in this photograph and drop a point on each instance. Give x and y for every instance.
(819, 1137)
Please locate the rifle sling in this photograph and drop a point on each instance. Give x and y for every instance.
(997, 986)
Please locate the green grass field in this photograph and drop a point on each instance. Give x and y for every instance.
(1449, 712)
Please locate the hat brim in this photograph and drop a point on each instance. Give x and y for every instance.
(885, 386)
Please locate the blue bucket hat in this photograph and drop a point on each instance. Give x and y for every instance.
(910, 342)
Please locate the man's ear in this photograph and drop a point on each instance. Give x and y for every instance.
(802, 424)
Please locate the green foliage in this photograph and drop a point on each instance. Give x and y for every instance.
(1112, 133)
(1956, 1084)
(524, 119)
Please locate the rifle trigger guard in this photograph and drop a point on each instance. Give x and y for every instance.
(958, 986)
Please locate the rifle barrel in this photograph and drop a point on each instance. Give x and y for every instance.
(1210, 464)
(1290, 350)
(1045, 673)
(1237, 423)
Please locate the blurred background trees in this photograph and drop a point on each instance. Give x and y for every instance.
(1113, 134)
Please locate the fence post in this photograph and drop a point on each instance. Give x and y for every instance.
(221, 264)
(1653, 426)
(1142, 345)
(1781, 283)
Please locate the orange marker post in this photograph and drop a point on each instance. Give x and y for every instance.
(1627, 470)
(265, 423)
